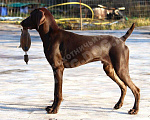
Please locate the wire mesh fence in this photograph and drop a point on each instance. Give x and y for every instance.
(67, 12)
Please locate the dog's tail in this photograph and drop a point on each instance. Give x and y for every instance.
(128, 32)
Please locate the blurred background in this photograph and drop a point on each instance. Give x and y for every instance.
(82, 14)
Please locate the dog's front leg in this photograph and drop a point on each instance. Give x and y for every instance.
(58, 75)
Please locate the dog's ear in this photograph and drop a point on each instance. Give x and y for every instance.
(40, 18)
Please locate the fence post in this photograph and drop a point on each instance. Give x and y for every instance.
(80, 15)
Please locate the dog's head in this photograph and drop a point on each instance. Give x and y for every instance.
(35, 19)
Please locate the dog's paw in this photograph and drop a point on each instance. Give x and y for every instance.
(118, 106)
(133, 111)
(51, 110)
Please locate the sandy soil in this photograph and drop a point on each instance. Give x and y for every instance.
(25, 90)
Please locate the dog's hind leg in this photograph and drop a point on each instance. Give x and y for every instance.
(120, 61)
(108, 68)
(124, 76)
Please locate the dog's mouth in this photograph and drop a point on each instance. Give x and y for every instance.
(25, 26)
(30, 28)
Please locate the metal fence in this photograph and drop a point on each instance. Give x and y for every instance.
(104, 10)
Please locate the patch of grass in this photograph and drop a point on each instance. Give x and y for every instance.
(122, 24)
(140, 21)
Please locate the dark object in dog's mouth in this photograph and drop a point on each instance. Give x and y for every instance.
(25, 42)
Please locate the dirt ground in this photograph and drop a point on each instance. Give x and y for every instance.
(88, 94)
